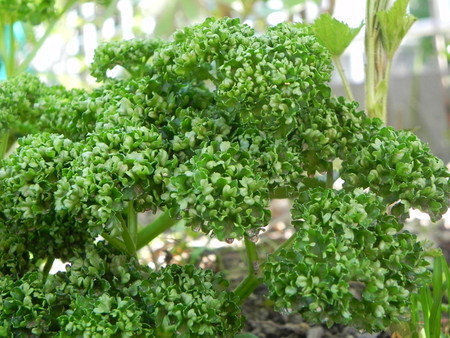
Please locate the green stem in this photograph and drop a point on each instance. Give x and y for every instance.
(48, 266)
(330, 179)
(286, 244)
(375, 61)
(384, 91)
(4, 138)
(132, 222)
(247, 286)
(370, 39)
(346, 84)
(252, 256)
(11, 51)
(116, 243)
(127, 240)
(24, 65)
(154, 229)
(254, 277)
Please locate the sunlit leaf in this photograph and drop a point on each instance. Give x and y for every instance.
(335, 35)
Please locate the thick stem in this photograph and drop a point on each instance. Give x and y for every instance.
(132, 222)
(254, 277)
(375, 83)
(370, 39)
(247, 286)
(252, 256)
(10, 61)
(154, 229)
(346, 84)
(47, 267)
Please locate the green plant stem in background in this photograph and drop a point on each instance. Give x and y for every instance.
(286, 245)
(154, 229)
(375, 61)
(10, 61)
(345, 83)
(426, 305)
(279, 193)
(385, 29)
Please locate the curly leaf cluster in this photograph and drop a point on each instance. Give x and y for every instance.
(347, 263)
(193, 303)
(28, 306)
(18, 96)
(29, 106)
(130, 54)
(28, 184)
(399, 167)
(15, 258)
(102, 316)
(114, 167)
(277, 159)
(218, 192)
(327, 130)
(263, 80)
(106, 293)
(86, 299)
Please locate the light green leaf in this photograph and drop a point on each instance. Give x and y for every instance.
(394, 24)
(290, 290)
(335, 35)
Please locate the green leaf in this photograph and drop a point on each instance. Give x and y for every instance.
(245, 335)
(394, 24)
(335, 35)
(104, 305)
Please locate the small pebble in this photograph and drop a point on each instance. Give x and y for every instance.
(315, 332)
